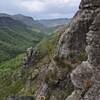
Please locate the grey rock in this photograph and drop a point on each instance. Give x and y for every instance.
(90, 4)
(42, 91)
(86, 77)
(74, 38)
(76, 95)
(29, 58)
(81, 74)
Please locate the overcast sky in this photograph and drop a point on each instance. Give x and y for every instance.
(40, 9)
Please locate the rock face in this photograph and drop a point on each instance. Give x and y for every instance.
(42, 92)
(84, 34)
(74, 37)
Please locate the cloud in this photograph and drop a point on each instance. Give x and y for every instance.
(33, 6)
(45, 5)
(41, 8)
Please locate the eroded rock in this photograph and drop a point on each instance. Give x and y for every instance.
(82, 74)
(29, 58)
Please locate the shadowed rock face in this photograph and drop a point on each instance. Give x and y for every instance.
(93, 39)
(91, 4)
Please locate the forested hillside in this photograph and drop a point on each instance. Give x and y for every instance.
(15, 37)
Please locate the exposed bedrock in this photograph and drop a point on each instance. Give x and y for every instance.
(74, 38)
(86, 77)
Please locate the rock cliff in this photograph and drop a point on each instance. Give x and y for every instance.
(85, 77)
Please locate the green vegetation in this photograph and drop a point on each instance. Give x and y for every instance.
(83, 56)
(75, 57)
(10, 77)
(15, 39)
(47, 45)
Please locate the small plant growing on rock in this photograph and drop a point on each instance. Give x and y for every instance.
(83, 56)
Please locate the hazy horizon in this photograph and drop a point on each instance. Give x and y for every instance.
(34, 18)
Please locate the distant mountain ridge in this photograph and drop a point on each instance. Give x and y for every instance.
(27, 20)
(7, 21)
(54, 22)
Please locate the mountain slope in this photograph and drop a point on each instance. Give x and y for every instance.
(15, 37)
(27, 20)
(30, 22)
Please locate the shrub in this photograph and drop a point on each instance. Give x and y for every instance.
(83, 56)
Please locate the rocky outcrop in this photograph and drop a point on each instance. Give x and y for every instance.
(55, 80)
(42, 92)
(29, 58)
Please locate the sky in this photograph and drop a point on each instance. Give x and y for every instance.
(40, 9)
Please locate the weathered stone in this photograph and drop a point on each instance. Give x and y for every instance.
(74, 37)
(29, 58)
(42, 91)
(89, 4)
(86, 77)
(76, 95)
(81, 74)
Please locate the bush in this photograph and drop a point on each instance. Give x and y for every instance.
(83, 56)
